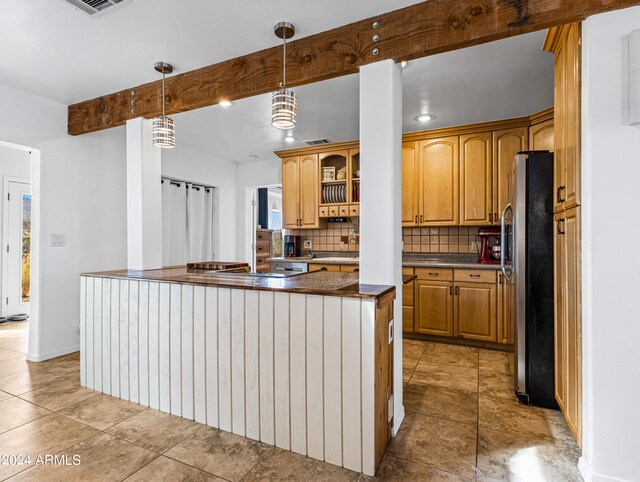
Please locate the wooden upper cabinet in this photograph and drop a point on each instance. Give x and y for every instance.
(410, 210)
(290, 190)
(438, 182)
(541, 136)
(309, 191)
(300, 188)
(564, 42)
(572, 119)
(506, 144)
(476, 205)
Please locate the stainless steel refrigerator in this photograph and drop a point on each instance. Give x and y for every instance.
(527, 263)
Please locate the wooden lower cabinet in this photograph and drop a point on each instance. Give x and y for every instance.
(568, 323)
(475, 307)
(434, 307)
(465, 303)
(345, 268)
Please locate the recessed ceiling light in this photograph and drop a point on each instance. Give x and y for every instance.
(404, 63)
(226, 103)
(253, 156)
(424, 117)
(289, 139)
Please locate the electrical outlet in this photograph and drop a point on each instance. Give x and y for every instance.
(57, 240)
(341, 245)
(308, 244)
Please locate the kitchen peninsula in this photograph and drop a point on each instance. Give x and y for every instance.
(301, 362)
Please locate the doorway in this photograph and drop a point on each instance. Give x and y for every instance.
(16, 242)
(264, 228)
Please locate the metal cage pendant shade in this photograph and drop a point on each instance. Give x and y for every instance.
(163, 128)
(284, 104)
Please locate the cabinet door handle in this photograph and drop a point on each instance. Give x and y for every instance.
(558, 229)
(499, 278)
(456, 291)
(434, 274)
(477, 275)
(495, 217)
(416, 219)
(421, 219)
(450, 290)
(559, 192)
(490, 218)
(324, 269)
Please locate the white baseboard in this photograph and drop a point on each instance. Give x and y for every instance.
(53, 354)
(398, 417)
(589, 476)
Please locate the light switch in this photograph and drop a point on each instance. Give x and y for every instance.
(57, 240)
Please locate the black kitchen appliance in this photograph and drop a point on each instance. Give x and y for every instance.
(291, 246)
(527, 264)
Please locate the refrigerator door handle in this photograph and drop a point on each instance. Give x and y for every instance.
(503, 232)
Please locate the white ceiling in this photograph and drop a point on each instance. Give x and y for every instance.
(500, 80)
(51, 49)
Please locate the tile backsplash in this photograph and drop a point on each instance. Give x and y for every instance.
(416, 240)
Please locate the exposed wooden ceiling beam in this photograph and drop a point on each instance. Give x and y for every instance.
(416, 31)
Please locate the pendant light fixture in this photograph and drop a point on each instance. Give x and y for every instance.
(284, 104)
(164, 134)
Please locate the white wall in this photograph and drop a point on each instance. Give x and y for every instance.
(611, 271)
(28, 119)
(187, 164)
(83, 196)
(251, 175)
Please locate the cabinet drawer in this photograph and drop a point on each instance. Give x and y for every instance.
(479, 275)
(437, 274)
(354, 210)
(323, 211)
(344, 211)
(324, 267)
(334, 211)
(407, 319)
(261, 236)
(349, 268)
(407, 271)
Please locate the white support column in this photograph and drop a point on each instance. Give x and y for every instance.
(144, 202)
(381, 197)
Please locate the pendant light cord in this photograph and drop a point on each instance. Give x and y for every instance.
(163, 74)
(284, 57)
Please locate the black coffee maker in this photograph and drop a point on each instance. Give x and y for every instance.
(291, 246)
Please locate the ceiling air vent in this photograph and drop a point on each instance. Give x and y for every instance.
(316, 142)
(96, 7)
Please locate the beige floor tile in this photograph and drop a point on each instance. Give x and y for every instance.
(463, 356)
(15, 412)
(4, 395)
(102, 411)
(154, 430)
(168, 470)
(221, 453)
(21, 346)
(443, 444)
(412, 352)
(46, 435)
(496, 384)
(281, 464)
(102, 458)
(503, 456)
(449, 403)
(8, 354)
(56, 396)
(14, 365)
(509, 415)
(448, 376)
(496, 361)
(395, 469)
(37, 376)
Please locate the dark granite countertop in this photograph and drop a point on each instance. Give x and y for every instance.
(454, 261)
(316, 282)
